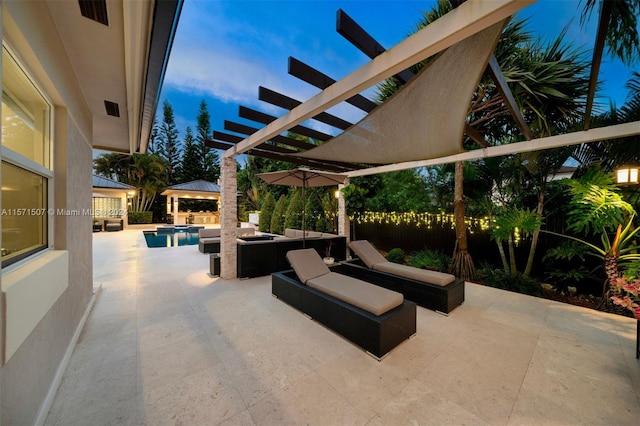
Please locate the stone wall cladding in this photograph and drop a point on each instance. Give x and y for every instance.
(228, 219)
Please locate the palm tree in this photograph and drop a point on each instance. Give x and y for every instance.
(618, 30)
(547, 80)
(614, 153)
(146, 172)
(112, 165)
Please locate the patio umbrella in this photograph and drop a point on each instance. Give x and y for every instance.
(303, 178)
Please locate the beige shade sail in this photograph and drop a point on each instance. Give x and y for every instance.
(425, 118)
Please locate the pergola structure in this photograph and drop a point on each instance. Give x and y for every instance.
(473, 25)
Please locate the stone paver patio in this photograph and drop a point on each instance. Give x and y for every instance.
(167, 344)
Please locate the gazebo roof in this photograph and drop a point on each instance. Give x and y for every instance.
(194, 186)
(106, 183)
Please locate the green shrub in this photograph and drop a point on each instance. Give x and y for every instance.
(396, 255)
(430, 259)
(140, 217)
(277, 220)
(501, 279)
(266, 212)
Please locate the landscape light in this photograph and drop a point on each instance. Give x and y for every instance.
(627, 175)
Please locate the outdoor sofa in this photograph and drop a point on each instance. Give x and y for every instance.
(260, 258)
(372, 317)
(111, 225)
(260, 255)
(209, 238)
(431, 289)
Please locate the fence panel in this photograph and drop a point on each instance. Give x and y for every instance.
(417, 231)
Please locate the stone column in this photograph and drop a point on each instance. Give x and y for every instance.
(176, 202)
(228, 219)
(343, 218)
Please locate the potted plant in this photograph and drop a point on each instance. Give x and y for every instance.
(328, 260)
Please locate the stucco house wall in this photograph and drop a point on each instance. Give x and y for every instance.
(27, 375)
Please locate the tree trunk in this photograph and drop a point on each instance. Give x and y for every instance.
(512, 256)
(503, 256)
(462, 263)
(536, 233)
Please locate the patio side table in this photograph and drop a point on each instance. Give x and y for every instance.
(214, 264)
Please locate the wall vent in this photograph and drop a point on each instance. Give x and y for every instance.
(95, 10)
(112, 108)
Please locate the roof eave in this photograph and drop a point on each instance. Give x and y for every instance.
(163, 25)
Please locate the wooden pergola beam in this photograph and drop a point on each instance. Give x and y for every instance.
(286, 102)
(567, 139)
(316, 78)
(501, 84)
(261, 152)
(261, 117)
(356, 35)
(476, 136)
(248, 130)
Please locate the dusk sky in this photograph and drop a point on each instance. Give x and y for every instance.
(224, 50)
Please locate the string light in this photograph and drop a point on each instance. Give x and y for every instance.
(426, 220)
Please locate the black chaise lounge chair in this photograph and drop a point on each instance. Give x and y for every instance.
(430, 289)
(375, 318)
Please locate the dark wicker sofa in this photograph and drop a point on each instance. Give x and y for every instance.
(376, 334)
(260, 258)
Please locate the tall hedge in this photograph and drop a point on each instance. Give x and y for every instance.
(277, 219)
(293, 217)
(266, 211)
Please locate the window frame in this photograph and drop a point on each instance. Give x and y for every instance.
(9, 156)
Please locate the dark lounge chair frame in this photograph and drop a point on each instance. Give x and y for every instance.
(376, 334)
(442, 299)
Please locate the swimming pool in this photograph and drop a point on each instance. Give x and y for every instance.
(173, 239)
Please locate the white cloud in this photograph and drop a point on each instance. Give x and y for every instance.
(217, 73)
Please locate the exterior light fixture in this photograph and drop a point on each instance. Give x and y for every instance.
(337, 194)
(627, 175)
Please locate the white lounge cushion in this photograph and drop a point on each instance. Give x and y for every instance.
(364, 295)
(366, 252)
(424, 275)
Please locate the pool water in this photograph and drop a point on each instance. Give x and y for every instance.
(177, 238)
